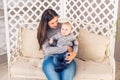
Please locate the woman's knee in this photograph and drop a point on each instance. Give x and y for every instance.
(69, 71)
(71, 67)
(48, 69)
(47, 62)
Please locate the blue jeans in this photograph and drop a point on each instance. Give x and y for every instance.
(51, 74)
(60, 62)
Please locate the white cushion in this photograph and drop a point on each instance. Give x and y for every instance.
(29, 43)
(85, 70)
(25, 68)
(92, 46)
(90, 70)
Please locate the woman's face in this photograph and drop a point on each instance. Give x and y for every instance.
(53, 24)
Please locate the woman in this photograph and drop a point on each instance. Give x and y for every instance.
(48, 27)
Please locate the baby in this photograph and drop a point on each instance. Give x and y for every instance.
(63, 38)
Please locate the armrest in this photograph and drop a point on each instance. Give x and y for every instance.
(111, 60)
(15, 54)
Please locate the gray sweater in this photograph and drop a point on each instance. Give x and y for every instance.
(64, 40)
(54, 50)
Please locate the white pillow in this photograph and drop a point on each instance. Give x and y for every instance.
(91, 46)
(29, 44)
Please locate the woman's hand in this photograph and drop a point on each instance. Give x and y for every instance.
(76, 42)
(70, 49)
(70, 56)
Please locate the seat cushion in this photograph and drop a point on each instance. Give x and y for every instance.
(90, 70)
(29, 44)
(92, 46)
(86, 70)
(28, 67)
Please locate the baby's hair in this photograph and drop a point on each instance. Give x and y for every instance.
(67, 24)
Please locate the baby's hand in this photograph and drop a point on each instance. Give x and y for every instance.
(50, 41)
(76, 42)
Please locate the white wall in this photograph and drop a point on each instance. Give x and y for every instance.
(1, 4)
(117, 47)
(2, 30)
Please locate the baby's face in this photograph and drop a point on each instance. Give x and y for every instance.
(65, 30)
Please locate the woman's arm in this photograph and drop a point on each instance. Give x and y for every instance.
(75, 47)
(53, 50)
(72, 54)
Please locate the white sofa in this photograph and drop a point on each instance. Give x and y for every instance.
(94, 61)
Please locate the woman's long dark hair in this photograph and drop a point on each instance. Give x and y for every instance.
(47, 15)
